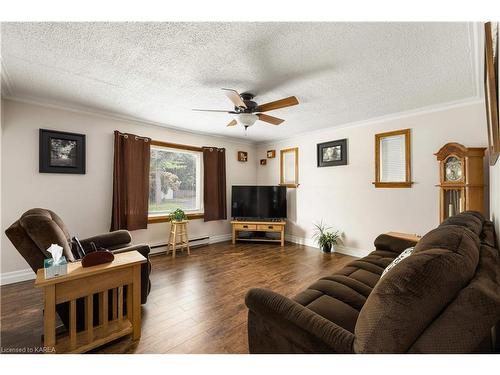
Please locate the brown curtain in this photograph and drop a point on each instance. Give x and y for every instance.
(130, 182)
(214, 188)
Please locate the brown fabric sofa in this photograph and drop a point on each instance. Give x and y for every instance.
(444, 298)
(38, 228)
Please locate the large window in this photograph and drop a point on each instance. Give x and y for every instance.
(175, 181)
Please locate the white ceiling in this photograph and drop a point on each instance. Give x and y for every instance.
(158, 72)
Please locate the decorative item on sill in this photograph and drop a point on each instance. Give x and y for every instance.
(97, 256)
(271, 154)
(57, 265)
(242, 156)
(325, 239)
(263, 161)
(178, 215)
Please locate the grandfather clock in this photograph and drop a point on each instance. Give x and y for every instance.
(461, 180)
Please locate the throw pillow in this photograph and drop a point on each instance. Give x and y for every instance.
(399, 258)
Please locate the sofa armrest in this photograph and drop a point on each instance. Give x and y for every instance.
(302, 327)
(108, 240)
(393, 244)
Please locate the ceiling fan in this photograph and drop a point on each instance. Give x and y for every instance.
(245, 108)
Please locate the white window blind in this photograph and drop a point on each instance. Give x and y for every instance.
(392, 159)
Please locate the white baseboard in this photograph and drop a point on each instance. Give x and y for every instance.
(17, 276)
(352, 251)
(220, 238)
(161, 248)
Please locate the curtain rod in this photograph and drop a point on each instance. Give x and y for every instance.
(125, 135)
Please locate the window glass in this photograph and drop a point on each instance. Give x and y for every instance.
(174, 181)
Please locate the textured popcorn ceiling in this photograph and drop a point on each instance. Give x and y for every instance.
(158, 72)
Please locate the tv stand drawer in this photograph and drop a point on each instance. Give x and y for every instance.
(269, 227)
(245, 227)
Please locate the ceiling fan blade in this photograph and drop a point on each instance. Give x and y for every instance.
(235, 97)
(213, 110)
(282, 103)
(232, 123)
(270, 119)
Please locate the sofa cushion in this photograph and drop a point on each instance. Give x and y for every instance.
(393, 244)
(467, 320)
(341, 296)
(410, 297)
(471, 220)
(399, 258)
(45, 227)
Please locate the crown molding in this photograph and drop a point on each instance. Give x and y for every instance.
(391, 117)
(476, 36)
(119, 117)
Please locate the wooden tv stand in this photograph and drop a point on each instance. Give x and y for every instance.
(258, 226)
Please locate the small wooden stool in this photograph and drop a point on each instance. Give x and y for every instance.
(178, 228)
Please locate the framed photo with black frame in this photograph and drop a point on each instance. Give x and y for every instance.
(61, 152)
(332, 153)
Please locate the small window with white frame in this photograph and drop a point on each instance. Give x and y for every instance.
(175, 180)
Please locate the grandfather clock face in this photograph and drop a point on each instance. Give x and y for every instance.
(453, 169)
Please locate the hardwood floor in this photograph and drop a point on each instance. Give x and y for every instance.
(196, 304)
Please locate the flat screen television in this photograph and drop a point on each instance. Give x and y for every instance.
(258, 202)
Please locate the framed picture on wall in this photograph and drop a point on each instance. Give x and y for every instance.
(243, 156)
(61, 152)
(491, 89)
(332, 153)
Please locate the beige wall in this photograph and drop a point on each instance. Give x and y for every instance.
(345, 197)
(84, 201)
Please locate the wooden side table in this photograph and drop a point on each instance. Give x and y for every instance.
(85, 282)
(178, 229)
(405, 236)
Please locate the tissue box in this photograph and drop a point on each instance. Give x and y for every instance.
(57, 269)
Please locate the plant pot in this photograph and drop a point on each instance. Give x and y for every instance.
(326, 249)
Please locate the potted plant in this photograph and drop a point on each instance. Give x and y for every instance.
(177, 215)
(325, 238)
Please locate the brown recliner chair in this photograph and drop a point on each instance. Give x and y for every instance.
(38, 228)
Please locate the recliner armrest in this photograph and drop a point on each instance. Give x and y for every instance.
(141, 248)
(291, 316)
(144, 250)
(108, 240)
(393, 244)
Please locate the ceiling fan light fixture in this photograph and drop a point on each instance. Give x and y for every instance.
(247, 119)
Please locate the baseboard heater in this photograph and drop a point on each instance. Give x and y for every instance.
(193, 242)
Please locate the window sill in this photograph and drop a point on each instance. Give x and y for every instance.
(166, 219)
(392, 184)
